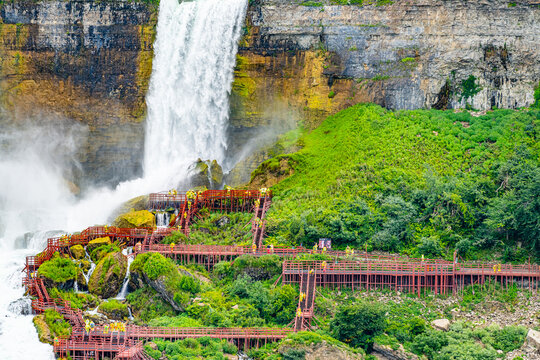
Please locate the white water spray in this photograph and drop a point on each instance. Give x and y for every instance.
(188, 100)
(187, 115)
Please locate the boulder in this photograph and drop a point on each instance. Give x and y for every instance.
(207, 174)
(135, 204)
(135, 219)
(108, 276)
(388, 353)
(77, 251)
(222, 221)
(114, 309)
(441, 324)
(44, 333)
(81, 281)
(85, 265)
(533, 339)
(94, 244)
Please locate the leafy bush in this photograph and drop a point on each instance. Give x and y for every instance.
(114, 309)
(429, 343)
(59, 269)
(358, 324)
(56, 323)
(77, 300)
(258, 268)
(189, 284)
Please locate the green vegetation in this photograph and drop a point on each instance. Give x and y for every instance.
(312, 3)
(358, 324)
(58, 269)
(415, 182)
(469, 88)
(98, 253)
(146, 304)
(56, 324)
(114, 309)
(204, 347)
(537, 96)
(81, 301)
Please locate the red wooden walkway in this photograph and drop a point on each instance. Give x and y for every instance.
(412, 276)
(188, 204)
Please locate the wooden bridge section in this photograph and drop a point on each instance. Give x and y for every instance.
(187, 205)
(440, 277)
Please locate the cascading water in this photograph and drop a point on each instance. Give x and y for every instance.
(124, 290)
(188, 100)
(188, 109)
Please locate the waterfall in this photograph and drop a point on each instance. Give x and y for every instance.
(188, 99)
(195, 52)
(162, 219)
(123, 291)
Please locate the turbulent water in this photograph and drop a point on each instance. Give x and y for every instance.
(188, 109)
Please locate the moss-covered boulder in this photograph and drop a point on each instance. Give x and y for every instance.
(98, 253)
(135, 204)
(60, 272)
(208, 174)
(108, 276)
(85, 265)
(114, 309)
(43, 331)
(77, 251)
(135, 219)
(94, 244)
(81, 281)
(165, 278)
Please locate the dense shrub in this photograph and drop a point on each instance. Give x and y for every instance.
(258, 268)
(358, 324)
(56, 323)
(59, 269)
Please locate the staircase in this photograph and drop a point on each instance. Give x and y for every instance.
(308, 286)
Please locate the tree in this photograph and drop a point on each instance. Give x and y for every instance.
(357, 324)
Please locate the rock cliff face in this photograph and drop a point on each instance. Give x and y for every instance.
(404, 54)
(90, 62)
(81, 61)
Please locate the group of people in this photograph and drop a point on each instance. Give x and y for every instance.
(107, 328)
(114, 327)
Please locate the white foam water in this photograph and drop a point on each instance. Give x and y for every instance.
(195, 51)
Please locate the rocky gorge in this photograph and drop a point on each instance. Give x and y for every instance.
(89, 62)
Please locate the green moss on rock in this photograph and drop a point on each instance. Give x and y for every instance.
(58, 270)
(94, 244)
(114, 309)
(77, 251)
(107, 278)
(135, 219)
(44, 334)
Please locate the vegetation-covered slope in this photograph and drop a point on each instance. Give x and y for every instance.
(419, 182)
